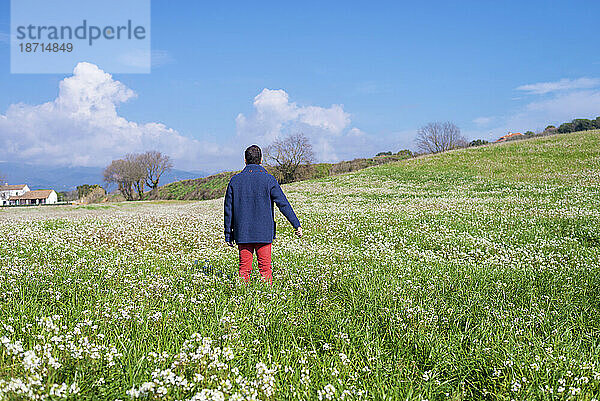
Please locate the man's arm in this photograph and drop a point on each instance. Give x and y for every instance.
(284, 206)
(228, 213)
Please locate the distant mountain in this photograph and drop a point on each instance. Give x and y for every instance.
(68, 178)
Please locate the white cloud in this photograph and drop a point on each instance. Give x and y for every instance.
(274, 115)
(329, 128)
(561, 108)
(564, 84)
(81, 127)
(536, 115)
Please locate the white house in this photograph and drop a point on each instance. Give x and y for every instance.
(37, 197)
(6, 191)
(22, 195)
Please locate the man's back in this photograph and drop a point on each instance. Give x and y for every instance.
(249, 199)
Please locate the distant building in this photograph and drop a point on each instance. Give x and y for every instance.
(6, 191)
(509, 136)
(38, 197)
(22, 195)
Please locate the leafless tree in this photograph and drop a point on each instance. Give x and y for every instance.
(128, 174)
(155, 164)
(439, 137)
(136, 172)
(116, 173)
(288, 153)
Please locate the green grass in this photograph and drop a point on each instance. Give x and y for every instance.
(214, 186)
(473, 274)
(200, 188)
(571, 158)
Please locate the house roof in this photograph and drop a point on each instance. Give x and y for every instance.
(12, 187)
(37, 194)
(507, 136)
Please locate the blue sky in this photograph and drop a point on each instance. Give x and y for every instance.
(390, 67)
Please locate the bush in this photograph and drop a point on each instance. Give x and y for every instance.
(478, 142)
(95, 195)
(405, 154)
(348, 166)
(321, 170)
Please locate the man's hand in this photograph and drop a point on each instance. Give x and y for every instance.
(231, 244)
(298, 232)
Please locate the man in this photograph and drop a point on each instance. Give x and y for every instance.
(249, 217)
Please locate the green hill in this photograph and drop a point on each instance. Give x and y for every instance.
(557, 158)
(473, 274)
(214, 186)
(210, 187)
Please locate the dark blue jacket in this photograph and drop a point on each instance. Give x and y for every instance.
(249, 202)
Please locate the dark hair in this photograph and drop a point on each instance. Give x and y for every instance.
(253, 155)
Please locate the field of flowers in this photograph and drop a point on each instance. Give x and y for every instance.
(469, 275)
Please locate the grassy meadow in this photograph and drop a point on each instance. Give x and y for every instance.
(473, 274)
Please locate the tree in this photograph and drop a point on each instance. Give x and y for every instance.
(85, 189)
(126, 173)
(405, 153)
(136, 172)
(478, 142)
(155, 164)
(116, 173)
(287, 154)
(67, 196)
(529, 133)
(439, 137)
(565, 128)
(583, 124)
(384, 154)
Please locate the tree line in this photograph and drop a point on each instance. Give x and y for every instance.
(136, 171)
(579, 124)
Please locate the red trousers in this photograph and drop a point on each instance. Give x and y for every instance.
(263, 254)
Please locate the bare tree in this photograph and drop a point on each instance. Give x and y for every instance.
(136, 172)
(155, 164)
(287, 154)
(128, 174)
(116, 173)
(439, 137)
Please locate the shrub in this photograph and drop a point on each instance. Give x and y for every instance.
(478, 142)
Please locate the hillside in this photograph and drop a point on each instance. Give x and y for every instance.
(528, 159)
(210, 187)
(473, 274)
(573, 157)
(214, 186)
